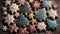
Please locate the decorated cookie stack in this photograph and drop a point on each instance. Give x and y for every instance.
(28, 16)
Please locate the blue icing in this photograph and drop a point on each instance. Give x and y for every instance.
(45, 4)
(22, 20)
(26, 8)
(40, 14)
(51, 23)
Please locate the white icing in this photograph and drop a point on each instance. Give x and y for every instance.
(52, 13)
(4, 28)
(13, 8)
(9, 19)
(17, 14)
(8, 2)
(41, 26)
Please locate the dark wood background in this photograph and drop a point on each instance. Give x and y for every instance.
(58, 21)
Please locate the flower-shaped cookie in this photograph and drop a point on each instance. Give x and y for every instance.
(41, 26)
(9, 19)
(13, 7)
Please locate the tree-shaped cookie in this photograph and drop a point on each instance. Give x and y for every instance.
(46, 4)
(41, 14)
(22, 20)
(52, 24)
(26, 8)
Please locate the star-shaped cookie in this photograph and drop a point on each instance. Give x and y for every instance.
(13, 7)
(21, 2)
(41, 26)
(9, 19)
(17, 14)
(7, 2)
(31, 15)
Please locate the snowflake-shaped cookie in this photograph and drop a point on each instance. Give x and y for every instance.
(4, 28)
(7, 2)
(9, 19)
(41, 26)
(13, 8)
(52, 13)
